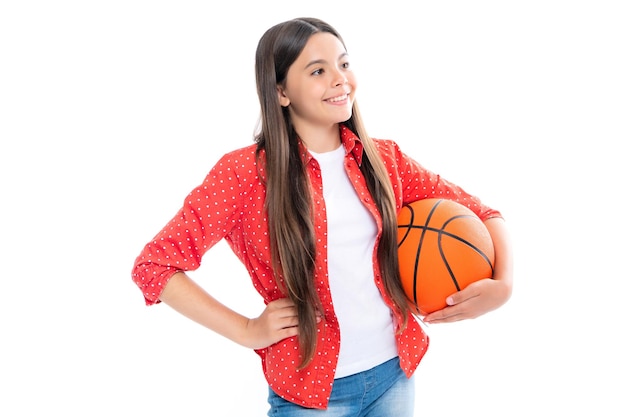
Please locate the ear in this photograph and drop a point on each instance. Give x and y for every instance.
(282, 97)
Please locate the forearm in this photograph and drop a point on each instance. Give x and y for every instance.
(186, 297)
(503, 270)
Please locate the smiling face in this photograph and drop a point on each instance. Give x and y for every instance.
(320, 86)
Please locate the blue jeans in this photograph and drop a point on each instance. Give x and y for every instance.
(383, 391)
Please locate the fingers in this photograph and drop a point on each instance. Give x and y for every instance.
(445, 315)
(278, 321)
(477, 299)
(459, 307)
(287, 332)
(282, 314)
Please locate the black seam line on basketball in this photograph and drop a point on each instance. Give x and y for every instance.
(460, 239)
(440, 234)
(419, 249)
(453, 236)
(446, 263)
(408, 229)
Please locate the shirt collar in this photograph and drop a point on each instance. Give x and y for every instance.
(352, 143)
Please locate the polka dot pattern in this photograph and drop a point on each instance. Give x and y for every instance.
(229, 205)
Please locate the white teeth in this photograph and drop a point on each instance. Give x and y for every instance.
(340, 98)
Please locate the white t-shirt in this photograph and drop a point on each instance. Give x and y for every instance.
(365, 321)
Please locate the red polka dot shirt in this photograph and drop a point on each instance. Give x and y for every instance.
(229, 205)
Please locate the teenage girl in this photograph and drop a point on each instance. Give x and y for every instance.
(310, 210)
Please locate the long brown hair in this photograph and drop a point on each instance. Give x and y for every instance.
(288, 198)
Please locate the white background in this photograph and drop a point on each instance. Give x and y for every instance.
(111, 112)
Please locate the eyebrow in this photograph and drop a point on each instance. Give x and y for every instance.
(323, 61)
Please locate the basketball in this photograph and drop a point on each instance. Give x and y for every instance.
(443, 247)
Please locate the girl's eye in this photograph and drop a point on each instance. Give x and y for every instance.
(345, 65)
(318, 72)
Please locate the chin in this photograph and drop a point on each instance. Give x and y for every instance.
(345, 117)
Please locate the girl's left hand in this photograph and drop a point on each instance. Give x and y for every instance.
(473, 301)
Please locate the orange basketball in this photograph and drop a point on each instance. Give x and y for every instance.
(443, 247)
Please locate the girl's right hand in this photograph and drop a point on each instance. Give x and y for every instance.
(278, 321)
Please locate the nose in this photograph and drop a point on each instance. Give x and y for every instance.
(340, 79)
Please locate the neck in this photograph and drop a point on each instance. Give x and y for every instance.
(321, 140)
